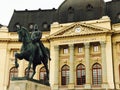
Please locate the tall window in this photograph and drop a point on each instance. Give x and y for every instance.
(80, 49)
(65, 50)
(80, 72)
(119, 72)
(97, 74)
(13, 72)
(42, 73)
(95, 48)
(30, 73)
(65, 75)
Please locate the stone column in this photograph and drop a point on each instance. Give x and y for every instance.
(87, 60)
(115, 66)
(71, 75)
(56, 70)
(104, 67)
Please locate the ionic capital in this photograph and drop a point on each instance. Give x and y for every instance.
(87, 45)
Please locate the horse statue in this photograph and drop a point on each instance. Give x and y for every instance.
(29, 52)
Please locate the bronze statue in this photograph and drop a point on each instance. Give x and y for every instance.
(36, 35)
(32, 49)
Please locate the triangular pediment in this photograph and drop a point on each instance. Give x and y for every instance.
(79, 29)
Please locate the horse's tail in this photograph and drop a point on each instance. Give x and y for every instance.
(48, 53)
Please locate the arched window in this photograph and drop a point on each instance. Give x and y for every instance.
(14, 27)
(13, 72)
(65, 75)
(30, 73)
(119, 72)
(45, 25)
(89, 7)
(118, 17)
(97, 74)
(80, 72)
(42, 73)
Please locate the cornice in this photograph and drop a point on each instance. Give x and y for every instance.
(117, 32)
(8, 40)
(58, 37)
(4, 40)
(96, 30)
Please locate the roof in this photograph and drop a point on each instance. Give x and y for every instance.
(81, 10)
(68, 11)
(28, 17)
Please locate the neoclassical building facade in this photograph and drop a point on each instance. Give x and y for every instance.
(82, 55)
(85, 55)
(83, 37)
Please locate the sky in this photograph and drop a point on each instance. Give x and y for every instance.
(7, 7)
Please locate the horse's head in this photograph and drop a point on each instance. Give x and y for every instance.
(23, 35)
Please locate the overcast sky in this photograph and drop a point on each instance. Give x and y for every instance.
(7, 7)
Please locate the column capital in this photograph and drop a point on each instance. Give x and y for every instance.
(103, 43)
(87, 45)
(71, 46)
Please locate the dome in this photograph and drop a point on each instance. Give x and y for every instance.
(80, 10)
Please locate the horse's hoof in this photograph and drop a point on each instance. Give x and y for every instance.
(31, 78)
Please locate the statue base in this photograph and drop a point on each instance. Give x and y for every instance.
(44, 82)
(27, 85)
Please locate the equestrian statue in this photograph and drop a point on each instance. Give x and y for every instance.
(32, 49)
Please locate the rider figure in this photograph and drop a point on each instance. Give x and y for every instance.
(36, 35)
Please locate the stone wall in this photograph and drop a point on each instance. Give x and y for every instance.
(27, 85)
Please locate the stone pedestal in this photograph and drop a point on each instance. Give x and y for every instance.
(27, 85)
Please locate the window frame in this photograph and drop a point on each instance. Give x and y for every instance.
(42, 70)
(95, 48)
(30, 73)
(13, 72)
(80, 49)
(119, 72)
(96, 79)
(81, 69)
(65, 75)
(65, 50)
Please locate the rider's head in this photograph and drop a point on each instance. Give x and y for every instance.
(35, 27)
